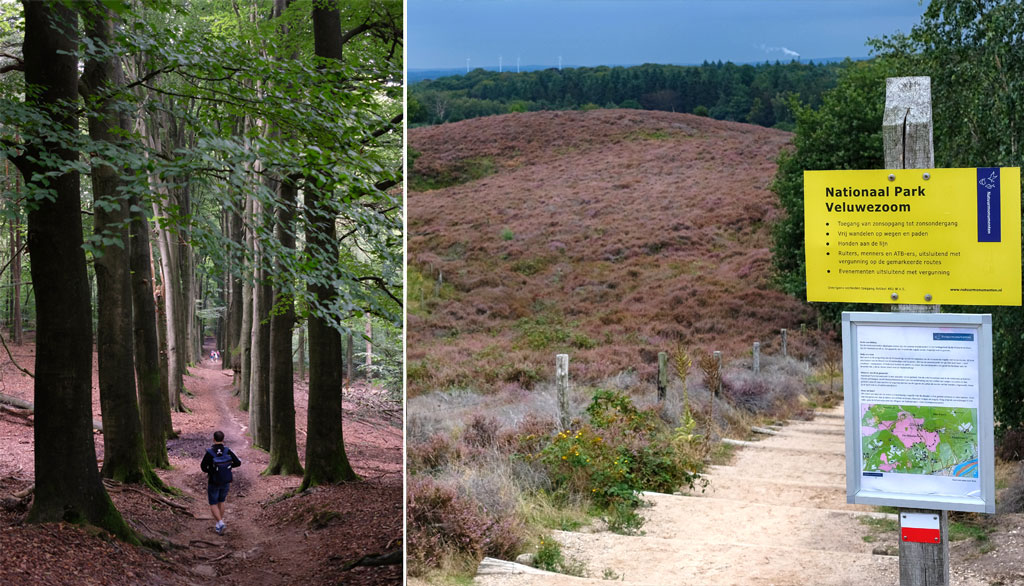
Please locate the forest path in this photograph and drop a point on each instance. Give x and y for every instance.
(775, 515)
(247, 552)
(310, 538)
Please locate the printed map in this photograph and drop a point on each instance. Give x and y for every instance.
(920, 440)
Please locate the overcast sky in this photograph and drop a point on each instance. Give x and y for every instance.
(444, 33)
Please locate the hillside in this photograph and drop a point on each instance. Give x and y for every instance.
(610, 235)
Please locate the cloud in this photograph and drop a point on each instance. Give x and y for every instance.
(783, 50)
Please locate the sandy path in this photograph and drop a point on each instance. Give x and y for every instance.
(777, 515)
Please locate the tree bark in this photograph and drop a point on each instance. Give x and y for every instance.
(168, 284)
(71, 491)
(154, 406)
(284, 455)
(17, 330)
(245, 331)
(259, 394)
(326, 461)
(368, 362)
(235, 302)
(124, 452)
(302, 350)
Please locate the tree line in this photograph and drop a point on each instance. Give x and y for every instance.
(225, 169)
(972, 52)
(758, 94)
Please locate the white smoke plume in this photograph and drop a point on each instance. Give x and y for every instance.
(783, 50)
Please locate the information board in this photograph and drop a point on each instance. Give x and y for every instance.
(916, 236)
(918, 410)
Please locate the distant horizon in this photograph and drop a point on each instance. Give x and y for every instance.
(443, 34)
(537, 66)
(415, 75)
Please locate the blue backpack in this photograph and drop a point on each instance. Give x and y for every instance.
(221, 473)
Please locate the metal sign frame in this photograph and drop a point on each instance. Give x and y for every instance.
(855, 492)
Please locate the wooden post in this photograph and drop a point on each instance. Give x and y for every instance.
(907, 136)
(718, 365)
(785, 352)
(757, 357)
(562, 384)
(662, 375)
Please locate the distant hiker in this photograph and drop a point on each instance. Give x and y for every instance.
(214, 355)
(217, 463)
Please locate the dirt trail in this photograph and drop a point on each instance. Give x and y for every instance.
(309, 538)
(267, 542)
(776, 515)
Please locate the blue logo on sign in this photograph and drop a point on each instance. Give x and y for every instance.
(989, 227)
(953, 337)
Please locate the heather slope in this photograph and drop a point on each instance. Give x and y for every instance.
(608, 234)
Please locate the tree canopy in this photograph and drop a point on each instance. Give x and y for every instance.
(974, 54)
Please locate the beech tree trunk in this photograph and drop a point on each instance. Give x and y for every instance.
(71, 491)
(168, 294)
(17, 329)
(154, 406)
(326, 461)
(284, 455)
(259, 383)
(233, 327)
(124, 452)
(302, 350)
(245, 331)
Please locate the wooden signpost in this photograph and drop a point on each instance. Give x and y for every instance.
(926, 236)
(907, 139)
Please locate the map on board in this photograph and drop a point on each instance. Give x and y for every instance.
(940, 441)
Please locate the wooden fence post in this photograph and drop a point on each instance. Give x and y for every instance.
(718, 365)
(562, 384)
(757, 357)
(785, 352)
(662, 375)
(907, 137)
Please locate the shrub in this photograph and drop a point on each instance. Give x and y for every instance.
(443, 524)
(1011, 445)
(1012, 500)
(550, 557)
(481, 432)
(621, 452)
(435, 453)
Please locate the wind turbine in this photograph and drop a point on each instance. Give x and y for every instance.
(517, 64)
(559, 62)
(499, 63)
(467, 64)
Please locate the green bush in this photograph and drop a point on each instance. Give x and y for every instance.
(621, 452)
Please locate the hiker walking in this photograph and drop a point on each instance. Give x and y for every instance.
(217, 463)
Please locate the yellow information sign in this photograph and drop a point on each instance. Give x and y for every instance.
(917, 236)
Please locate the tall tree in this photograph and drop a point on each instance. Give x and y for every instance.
(71, 491)
(284, 455)
(154, 407)
(326, 461)
(102, 81)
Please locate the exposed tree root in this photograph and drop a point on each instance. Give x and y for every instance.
(113, 485)
(390, 558)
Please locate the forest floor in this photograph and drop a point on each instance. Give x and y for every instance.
(307, 538)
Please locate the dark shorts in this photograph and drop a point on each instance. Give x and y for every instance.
(216, 493)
